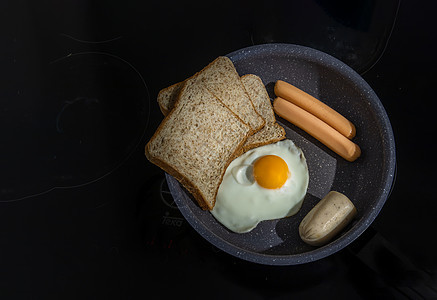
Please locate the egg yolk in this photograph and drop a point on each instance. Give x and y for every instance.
(270, 171)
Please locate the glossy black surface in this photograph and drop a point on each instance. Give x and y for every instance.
(115, 237)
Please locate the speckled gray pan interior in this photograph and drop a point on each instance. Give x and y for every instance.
(367, 181)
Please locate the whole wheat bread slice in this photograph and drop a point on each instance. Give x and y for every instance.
(272, 131)
(221, 79)
(167, 97)
(196, 142)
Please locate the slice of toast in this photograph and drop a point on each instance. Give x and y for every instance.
(197, 141)
(221, 79)
(167, 97)
(272, 131)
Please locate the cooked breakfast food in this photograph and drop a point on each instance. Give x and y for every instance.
(209, 118)
(317, 128)
(265, 183)
(327, 219)
(222, 80)
(270, 133)
(196, 142)
(316, 107)
(221, 141)
(167, 97)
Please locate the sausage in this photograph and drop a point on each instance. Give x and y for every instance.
(327, 219)
(317, 128)
(315, 107)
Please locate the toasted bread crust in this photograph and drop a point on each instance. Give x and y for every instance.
(210, 65)
(191, 188)
(256, 90)
(171, 91)
(249, 146)
(186, 183)
(176, 95)
(261, 83)
(171, 170)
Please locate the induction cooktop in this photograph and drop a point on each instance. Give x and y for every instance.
(84, 214)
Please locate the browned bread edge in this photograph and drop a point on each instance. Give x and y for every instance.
(208, 66)
(185, 181)
(258, 78)
(164, 110)
(271, 141)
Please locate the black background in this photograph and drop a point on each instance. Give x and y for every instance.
(88, 238)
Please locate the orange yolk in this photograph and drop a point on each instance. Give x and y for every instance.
(270, 171)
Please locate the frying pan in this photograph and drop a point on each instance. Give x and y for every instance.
(367, 181)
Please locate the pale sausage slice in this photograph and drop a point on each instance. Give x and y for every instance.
(315, 107)
(317, 128)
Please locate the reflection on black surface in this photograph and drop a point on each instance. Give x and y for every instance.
(86, 117)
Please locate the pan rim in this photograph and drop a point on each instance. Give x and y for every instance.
(388, 145)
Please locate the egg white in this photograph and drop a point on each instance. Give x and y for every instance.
(242, 203)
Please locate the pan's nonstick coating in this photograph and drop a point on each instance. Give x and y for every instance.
(367, 181)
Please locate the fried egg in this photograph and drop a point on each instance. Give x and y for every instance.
(265, 183)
